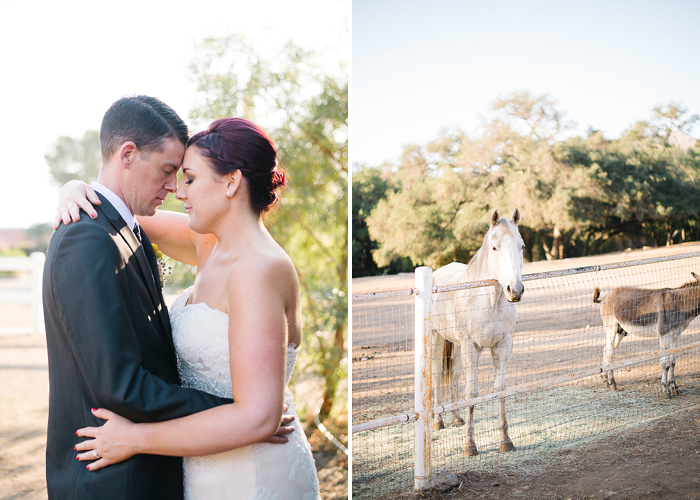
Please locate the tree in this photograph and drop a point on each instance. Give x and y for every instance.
(539, 114)
(450, 186)
(578, 196)
(369, 186)
(650, 189)
(305, 112)
(672, 117)
(433, 217)
(75, 158)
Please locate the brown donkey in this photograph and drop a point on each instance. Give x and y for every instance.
(663, 313)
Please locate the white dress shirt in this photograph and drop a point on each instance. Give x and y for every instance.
(117, 203)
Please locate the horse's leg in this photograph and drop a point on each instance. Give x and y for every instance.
(610, 327)
(455, 379)
(439, 347)
(500, 355)
(472, 372)
(665, 361)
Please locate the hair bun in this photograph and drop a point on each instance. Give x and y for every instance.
(279, 178)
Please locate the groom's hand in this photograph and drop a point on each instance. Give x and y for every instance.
(285, 428)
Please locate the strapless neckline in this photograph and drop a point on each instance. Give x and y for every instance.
(185, 297)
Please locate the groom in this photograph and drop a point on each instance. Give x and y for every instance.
(108, 332)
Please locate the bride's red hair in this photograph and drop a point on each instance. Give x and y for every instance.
(231, 144)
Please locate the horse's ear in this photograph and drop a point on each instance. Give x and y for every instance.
(516, 216)
(697, 278)
(495, 218)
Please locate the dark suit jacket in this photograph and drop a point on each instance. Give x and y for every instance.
(110, 346)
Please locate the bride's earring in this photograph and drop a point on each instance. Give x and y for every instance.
(228, 193)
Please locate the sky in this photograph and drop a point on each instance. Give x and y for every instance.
(420, 67)
(64, 63)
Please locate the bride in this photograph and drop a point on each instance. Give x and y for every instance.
(236, 331)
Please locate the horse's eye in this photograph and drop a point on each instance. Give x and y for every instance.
(494, 249)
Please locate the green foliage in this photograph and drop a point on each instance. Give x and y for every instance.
(305, 113)
(12, 252)
(369, 186)
(75, 158)
(672, 117)
(578, 196)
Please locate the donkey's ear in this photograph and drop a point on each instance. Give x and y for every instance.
(697, 278)
(516, 216)
(495, 218)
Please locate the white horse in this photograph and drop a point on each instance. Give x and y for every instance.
(466, 322)
(663, 313)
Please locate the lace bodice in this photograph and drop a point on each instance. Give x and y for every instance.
(200, 334)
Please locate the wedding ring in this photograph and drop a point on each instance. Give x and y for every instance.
(94, 454)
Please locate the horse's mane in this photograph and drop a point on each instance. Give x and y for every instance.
(690, 284)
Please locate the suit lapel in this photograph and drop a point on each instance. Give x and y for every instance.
(139, 253)
(151, 256)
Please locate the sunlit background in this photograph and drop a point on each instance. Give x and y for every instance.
(64, 63)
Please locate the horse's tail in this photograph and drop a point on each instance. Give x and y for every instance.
(596, 296)
(448, 350)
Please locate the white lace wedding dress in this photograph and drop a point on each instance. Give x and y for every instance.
(260, 471)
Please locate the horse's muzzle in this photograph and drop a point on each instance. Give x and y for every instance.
(514, 295)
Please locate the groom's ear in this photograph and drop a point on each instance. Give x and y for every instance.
(127, 154)
(234, 180)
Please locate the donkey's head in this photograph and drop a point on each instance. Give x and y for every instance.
(505, 247)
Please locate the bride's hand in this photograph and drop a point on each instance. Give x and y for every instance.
(112, 441)
(75, 195)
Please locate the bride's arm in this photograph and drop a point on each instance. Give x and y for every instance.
(258, 350)
(168, 230)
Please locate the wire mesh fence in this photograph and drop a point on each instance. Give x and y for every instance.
(555, 376)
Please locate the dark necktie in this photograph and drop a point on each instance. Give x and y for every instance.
(149, 255)
(137, 233)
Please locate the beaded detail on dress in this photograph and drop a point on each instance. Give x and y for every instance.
(200, 335)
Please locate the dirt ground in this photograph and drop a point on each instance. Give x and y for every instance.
(659, 460)
(24, 393)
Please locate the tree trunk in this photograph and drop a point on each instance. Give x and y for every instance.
(330, 372)
(547, 251)
(557, 244)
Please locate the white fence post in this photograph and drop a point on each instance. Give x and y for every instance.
(37, 274)
(423, 404)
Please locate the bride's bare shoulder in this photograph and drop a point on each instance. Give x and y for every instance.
(267, 266)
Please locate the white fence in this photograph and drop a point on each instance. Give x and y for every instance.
(25, 291)
(555, 395)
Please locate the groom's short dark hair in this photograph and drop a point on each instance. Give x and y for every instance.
(145, 120)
